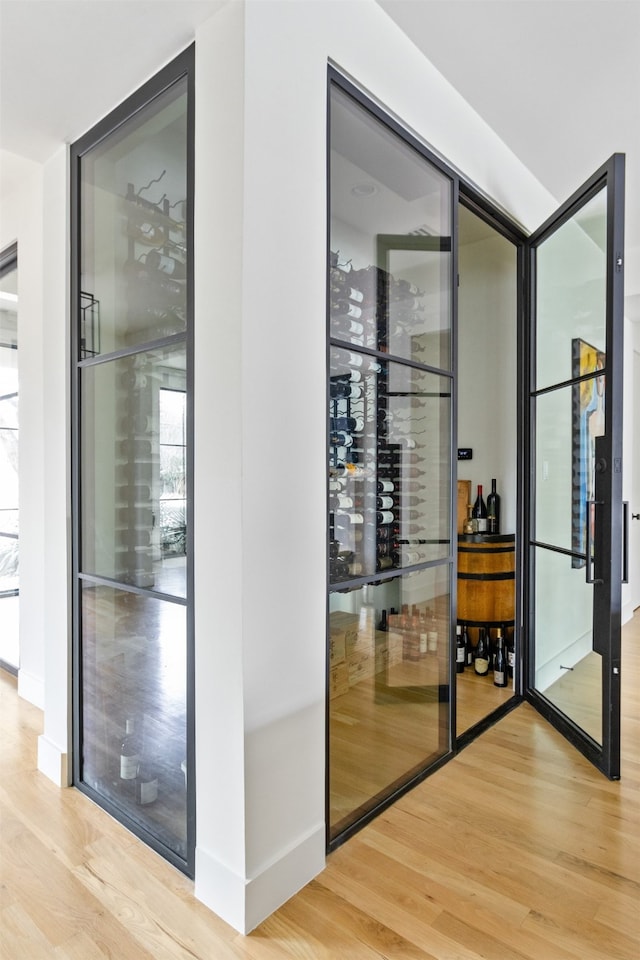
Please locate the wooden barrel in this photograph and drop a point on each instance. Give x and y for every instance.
(486, 580)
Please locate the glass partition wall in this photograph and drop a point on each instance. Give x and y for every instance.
(390, 416)
(132, 477)
(9, 526)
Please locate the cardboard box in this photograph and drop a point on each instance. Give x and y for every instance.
(361, 667)
(464, 497)
(337, 647)
(338, 680)
(347, 622)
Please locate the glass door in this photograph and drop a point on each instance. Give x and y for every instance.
(390, 432)
(576, 532)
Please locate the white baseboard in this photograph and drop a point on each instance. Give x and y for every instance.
(627, 612)
(52, 762)
(31, 688)
(551, 671)
(246, 902)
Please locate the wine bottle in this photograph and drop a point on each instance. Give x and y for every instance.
(500, 666)
(146, 784)
(461, 652)
(432, 634)
(386, 486)
(479, 512)
(150, 234)
(384, 563)
(413, 636)
(467, 647)
(384, 516)
(339, 438)
(129, 752)
(349, 424)
(493, 509)
(383, 625)
(481, 657)
(344, 390)
(510, 652)
(348, 516)
(166, 264)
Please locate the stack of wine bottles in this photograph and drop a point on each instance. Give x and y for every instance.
(485, 517)
(418, 628)
(490, 657)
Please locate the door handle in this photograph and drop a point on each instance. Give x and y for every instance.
(590, 565)
(635, 516)
(625, 541)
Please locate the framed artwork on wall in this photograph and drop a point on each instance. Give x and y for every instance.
(587, 424)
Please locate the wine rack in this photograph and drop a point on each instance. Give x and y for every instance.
(155, 267)
(373, 461)
(155, 296)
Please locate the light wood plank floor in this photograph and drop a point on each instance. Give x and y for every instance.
(516, 850)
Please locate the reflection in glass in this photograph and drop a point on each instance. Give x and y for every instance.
(134, 681)
(567, 670)
(133, 229)
(389, 465)
(571, 274)
(173, 472)
(389, 688)
(9, 523)
(126, 471)
(390, 275)
(565, 462)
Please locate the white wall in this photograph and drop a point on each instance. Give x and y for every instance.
(260, 327)
(631, 464)
(54, 743)
(34, 205)
(21, 201)
(487, 370)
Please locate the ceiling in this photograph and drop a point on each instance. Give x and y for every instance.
(558, 80)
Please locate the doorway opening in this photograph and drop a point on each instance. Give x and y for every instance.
(487, 432)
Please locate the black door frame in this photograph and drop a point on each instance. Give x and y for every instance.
(607, 619)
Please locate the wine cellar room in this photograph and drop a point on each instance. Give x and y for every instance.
(393, 470)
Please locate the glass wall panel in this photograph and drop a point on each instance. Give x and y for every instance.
(132, 460)
(125, 523)
(391, 262)
(389, 462)
(388, 688)
(571, 274)
(134, 707)
(389, 465)
(9, 521)
(134, 230)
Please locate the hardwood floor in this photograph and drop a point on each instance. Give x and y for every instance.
(516, 850)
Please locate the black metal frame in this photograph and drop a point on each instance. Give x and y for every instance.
(182, 67)
(607, 603)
